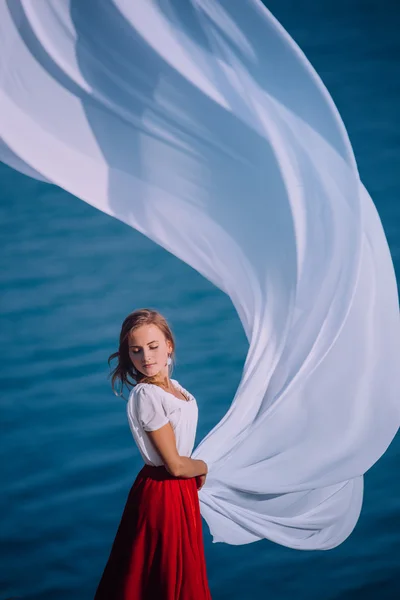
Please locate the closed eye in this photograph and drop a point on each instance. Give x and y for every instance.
(137, 351)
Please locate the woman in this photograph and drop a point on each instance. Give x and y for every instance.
(158, 550)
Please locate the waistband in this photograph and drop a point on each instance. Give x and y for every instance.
(158, 473)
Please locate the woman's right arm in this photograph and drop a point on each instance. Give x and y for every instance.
(163, 439)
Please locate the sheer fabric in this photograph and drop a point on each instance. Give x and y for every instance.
(202, 125)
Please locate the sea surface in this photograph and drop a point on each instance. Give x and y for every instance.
(70, 274)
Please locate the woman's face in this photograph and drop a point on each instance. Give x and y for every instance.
(148, 350)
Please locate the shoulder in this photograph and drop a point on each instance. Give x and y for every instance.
(150, 391)
(148, 400)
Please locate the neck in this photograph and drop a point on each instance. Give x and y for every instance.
(163, 380)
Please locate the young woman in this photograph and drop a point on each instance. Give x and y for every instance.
(158, 550)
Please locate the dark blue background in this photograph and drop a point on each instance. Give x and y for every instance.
(70, 274)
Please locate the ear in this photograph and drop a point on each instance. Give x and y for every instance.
(169, 347)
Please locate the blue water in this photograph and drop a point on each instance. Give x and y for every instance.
(68, 277)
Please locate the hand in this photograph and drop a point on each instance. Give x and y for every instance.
(200, 480)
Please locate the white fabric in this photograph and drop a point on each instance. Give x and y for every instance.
(201, 124)
(150, 407)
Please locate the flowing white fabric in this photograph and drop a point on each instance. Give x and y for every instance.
(201, 124)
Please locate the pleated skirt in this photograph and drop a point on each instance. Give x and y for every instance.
(158, 550)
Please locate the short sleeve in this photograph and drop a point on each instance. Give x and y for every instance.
(150, 409)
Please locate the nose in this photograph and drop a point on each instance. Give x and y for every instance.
(146, 358)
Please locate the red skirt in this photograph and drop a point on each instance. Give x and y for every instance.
(158, 551)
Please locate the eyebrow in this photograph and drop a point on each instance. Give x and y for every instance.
(136, 346)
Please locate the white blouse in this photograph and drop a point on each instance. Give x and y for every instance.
(150, 407)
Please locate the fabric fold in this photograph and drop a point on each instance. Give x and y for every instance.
(202, 125)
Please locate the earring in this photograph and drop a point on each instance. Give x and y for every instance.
(169, 360)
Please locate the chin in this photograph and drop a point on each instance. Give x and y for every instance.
(151, 372)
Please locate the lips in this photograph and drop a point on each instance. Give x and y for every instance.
(147, 366)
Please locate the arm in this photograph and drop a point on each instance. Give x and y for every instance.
(163, 439)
